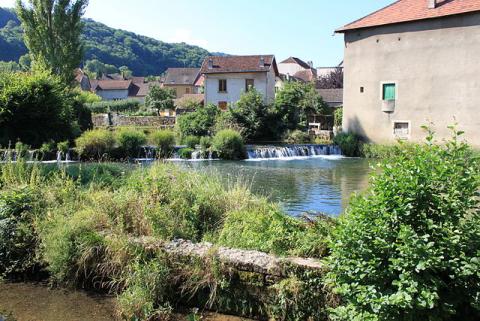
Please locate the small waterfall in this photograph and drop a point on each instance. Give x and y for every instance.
(68, 157)
(59, 157)
(292, 151)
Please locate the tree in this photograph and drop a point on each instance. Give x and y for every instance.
(126, 72)
(160, 98)
(253, 116)
(334, 80)
(296, 101)
(36, 108)
(198, 123)
(52, 30)
(25, 62)
(95, 69)
(9, 66)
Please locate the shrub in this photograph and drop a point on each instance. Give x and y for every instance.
(205, 143)
(198, 123)
(21, 149)
(191, 141)
(186, 153)
(408, 249)
(130, 141)
(95, 144)
(265, 228)
(17, 235)
(117, 106)
(35, 108)
(164, 140)
(338, 117)
(348, 143)
(298, 137)
(384, 151)
(63, 147)
(229, 145)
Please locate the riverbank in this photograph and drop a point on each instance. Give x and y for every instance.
(38, 302)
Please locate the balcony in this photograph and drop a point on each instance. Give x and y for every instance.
(388, 106)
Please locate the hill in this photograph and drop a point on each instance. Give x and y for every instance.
(143, 55)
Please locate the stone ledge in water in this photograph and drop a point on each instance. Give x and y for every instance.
(242, 260)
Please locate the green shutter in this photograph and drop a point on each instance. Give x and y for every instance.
(389, 92)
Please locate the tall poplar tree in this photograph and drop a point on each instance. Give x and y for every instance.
(53, 34)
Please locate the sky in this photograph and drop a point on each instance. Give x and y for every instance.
(299, 28)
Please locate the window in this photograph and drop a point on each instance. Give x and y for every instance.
(362, 90)
(222, 105)
(187, 90)
(249, 84)
(389, 92)
(222, 85)
(401, 130)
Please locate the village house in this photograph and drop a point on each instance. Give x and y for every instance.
(325, 71)
(413, 63)
(298, 69)
(227, 77)
(182, 80)
(109, 88)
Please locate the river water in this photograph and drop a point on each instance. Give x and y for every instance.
(315, 184)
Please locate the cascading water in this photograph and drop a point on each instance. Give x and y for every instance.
(291, 151)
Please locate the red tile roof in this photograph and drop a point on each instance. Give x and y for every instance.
(413, 10)
(181, 76)
(234, 64)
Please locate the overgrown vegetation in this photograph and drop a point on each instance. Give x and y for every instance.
(349, 143)
(408, 249)
(82, 232)
(229, 145)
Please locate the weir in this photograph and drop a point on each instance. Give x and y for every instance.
(291, 151)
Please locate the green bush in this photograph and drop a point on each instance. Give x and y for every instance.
(164, 140)
(349, 143)
(198, 123)
(130, 141)
(267, 229)
(115, 106)
(17, 235)
(298, 137)
(35, 108)
(338, 117)
(385, 151)
(95, 144)
(191, 141)
(408, 249)
(63, 147)
(229, 145)
(21, 149)
(205, 143)
(186, 153)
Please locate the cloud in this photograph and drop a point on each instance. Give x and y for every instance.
(186, 35)
(7, 3)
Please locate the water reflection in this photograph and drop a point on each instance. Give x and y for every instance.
(314, 184)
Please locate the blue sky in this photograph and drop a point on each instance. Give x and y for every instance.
(300, 28)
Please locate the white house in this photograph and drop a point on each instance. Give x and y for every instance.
(298, 69)
(227, 77)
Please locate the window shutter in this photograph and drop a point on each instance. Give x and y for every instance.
(389, 92)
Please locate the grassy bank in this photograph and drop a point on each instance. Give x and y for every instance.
(77, 225)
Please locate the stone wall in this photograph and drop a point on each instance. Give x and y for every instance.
(114, 120)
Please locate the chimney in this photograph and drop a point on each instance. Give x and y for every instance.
(432, 4)
(210, 63)
(262, 62)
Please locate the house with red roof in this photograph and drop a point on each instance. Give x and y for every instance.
(413, 63)
(298, 69)
(225, 78)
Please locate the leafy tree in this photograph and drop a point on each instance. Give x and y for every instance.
(126, 72)
(253, 116)
(296, 101)
(160, 98)
(9, 66)
(25, 62)
(95, 69)
(198, 123)
(52, 30)
(334, 80)
(409, 248)
(36, 108)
